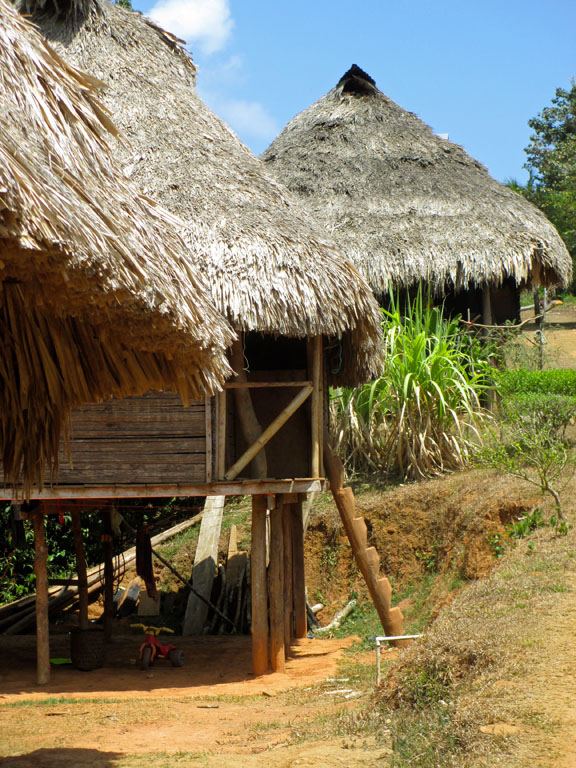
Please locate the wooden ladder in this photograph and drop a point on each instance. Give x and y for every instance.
(366, 557)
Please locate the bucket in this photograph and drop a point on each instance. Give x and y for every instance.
(87, 648)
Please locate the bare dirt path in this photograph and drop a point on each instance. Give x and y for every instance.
(211, 710)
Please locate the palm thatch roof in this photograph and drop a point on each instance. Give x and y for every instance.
(98, 295)
(269, 268)
(405, 205)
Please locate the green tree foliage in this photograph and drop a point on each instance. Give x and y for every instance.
(552, 165)
(124, 3)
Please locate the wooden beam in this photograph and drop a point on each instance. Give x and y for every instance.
(259, 591)
(81, 569)
(288, 577)
(243, 487)
(316, 405)
(299, 597)
(268, 433)
(42, 622)
(265, 384)
(276, 590)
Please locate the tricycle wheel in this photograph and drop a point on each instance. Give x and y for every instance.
(176, 658)
(146, 657)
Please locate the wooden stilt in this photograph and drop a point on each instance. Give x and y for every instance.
(80, 569)
(288, 577)
(276, 589)
(108, 574)
(259, 591)
(42, 622)
(299, 597)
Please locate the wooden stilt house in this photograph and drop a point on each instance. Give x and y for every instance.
(304, 317)
(97, 294)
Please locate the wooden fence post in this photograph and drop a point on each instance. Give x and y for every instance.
(299, 598)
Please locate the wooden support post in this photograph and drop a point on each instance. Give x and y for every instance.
(221, 435)
(42, 622)
(486, 305)
(108, 574)
(259, 590)
(276, 589)
(80, 569)
(288, 577)
(300, 620)
(246, 415)
(316, 405)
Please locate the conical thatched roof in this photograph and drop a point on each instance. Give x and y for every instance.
(98, 295)
(269, 269)
(405, 205)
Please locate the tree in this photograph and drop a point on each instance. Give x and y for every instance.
(552, 164)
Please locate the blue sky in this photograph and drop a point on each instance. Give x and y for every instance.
(474, 69)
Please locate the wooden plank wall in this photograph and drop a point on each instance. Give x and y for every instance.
(147, 439)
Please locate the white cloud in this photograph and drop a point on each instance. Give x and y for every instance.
(249, 119)
(205, 22)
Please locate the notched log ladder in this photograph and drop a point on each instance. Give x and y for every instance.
(366, 557)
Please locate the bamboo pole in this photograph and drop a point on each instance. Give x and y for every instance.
(268, 433)
(299, 593)
(42, 622)
(276, 589)
(80, 569)
(259, 591)
(316, 405)
(288, 577)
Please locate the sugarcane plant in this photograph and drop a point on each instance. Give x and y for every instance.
(423, 415)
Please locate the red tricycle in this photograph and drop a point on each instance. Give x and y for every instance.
(152, 649)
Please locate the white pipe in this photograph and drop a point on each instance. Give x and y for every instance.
(379, 640)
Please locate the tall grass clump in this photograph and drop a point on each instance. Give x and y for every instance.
(422, 416)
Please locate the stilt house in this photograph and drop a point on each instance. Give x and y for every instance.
(304, 317)
(407, 206)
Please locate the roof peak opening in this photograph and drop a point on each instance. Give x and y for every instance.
(357, 81)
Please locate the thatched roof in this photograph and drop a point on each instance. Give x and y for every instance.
(405, 205)
(98, 294)
(269, 268)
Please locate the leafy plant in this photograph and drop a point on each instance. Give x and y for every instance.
(526, 524)
(422, 416)
(497, 544)
(532, 452)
